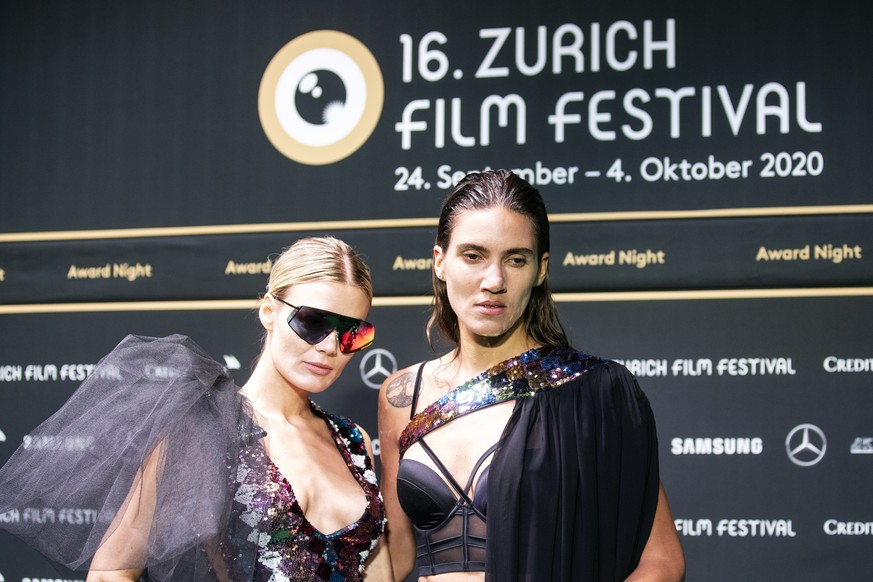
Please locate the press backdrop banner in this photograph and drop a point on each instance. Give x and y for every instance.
(763, 410)
(199, 113)
(705, 166)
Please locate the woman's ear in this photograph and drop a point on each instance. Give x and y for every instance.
(438, 258)
(266, 312)
(544, 269)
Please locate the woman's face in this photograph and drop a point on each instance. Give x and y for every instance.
(490, 268)
(311, 368)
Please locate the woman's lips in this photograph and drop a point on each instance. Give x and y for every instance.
(318, 368)
(490, 308)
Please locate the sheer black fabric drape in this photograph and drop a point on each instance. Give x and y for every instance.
(574, 486)
(154, 435)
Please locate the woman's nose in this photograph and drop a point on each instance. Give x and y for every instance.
(330, 344)
(494, 280)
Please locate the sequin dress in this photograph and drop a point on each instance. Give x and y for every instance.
(290, 547)
(221, 511)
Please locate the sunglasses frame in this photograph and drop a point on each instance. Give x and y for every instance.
(353, 326)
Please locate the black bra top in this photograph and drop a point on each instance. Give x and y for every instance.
(449, 525)
(426, 497)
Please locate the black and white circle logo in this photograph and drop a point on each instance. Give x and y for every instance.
(321, 97)
(377, 365)
(806, 445)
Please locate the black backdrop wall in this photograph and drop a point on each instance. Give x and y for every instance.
(706, 167)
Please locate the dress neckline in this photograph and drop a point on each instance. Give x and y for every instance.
(346, 454)
(517, 377)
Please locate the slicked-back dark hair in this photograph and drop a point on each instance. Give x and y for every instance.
(498, 189)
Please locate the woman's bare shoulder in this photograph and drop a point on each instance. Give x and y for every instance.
(398, 388)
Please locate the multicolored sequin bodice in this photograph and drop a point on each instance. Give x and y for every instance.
(518, 377)
(290, 547)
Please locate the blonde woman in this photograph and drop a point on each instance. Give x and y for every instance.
(194, 478)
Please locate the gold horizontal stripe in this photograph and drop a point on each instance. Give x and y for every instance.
(425, 300)
(389, 223)
(774, 211)
(207, 230)
(695, 295)
(204, 305)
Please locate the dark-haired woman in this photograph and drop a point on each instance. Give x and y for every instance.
(514, 456)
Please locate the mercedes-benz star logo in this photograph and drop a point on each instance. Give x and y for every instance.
(231, 362)
(377, 365)
(806, 445)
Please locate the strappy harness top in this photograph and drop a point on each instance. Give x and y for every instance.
(449, 523)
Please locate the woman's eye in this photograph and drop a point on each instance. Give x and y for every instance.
(518, 261)
(471, 256)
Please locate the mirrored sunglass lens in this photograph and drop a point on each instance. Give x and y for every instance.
(358, 337)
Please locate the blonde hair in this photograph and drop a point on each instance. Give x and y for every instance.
(316, 259)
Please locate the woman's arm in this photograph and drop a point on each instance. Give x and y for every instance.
(395, 399)
(113, 576)
(126, 541)
(662, 559)
(378, 565)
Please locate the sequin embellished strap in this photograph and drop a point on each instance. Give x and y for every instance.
(517, 377)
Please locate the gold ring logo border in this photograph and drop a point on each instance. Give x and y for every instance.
(321, 155)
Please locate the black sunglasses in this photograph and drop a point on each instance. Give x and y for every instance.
(313, 325)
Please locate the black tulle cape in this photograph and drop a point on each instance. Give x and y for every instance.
(153, 435)
(573, 488)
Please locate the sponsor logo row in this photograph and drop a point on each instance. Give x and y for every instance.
(805, 445)
(66, 516)
(774, 528)
(642, 368)
(739, 366)
(80, 372)
(745, 527)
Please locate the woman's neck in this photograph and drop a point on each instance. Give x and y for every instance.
(474, 355)
(272, 397)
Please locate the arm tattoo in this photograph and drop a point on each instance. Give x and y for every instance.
(399, 391)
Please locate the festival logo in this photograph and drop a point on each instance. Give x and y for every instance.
(862, 446)
(806, 445)
(321, 97)
(232, 362)
(376, 366)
